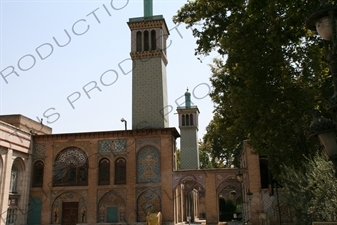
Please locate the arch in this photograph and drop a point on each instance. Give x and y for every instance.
(191, 119)
(229, 198)
(70, 168)
(13, 185)
(187, 119)
(20, 164)
(147, 202)
(139, 41)
(67, 197)
(227, 182)
(111, 208)
(153, 40)
(38, 170)
(229, 194)
(146, 41)
(120, 171)
(183, 120)
(190, 182)
(148, 165)
(18, 168)
(104, 171)
(190, 198)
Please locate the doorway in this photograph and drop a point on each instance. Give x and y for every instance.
(69, 213)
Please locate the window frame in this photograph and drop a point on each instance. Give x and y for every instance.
(104, 163)
(65, 169)
(38, 172)
(120, 171)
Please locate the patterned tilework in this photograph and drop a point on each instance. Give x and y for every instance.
(111, 146)
(198, 179)
(59, 146)
(111, 198)
(72, 196)
(221, 177)
(147, 201)
(149, 94)
(189, 149)
(140, 143)
(39, 150)
(148, 165)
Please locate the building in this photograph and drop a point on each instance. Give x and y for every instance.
(120, 176)
(15, 166)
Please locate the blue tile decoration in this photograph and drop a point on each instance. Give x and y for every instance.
(111, 198)
(148, 202)
(148, 165)
(111, 146)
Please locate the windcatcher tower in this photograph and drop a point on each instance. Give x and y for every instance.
(149, 85)
(188, 124)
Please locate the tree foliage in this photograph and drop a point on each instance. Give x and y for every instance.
(269, 75)
(311, 191)
(214, 143)
(204, 155)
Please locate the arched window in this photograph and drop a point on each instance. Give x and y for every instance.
(191, 119)
(183, 120)
(146, 41)
(104, 172)
(120, 171)
(38, 174)
(71, 168)
(13, 185)
(153, 40)
(187, 120)
(139, 41)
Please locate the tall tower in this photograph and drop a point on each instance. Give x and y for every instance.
(149, 86)
(188, 124)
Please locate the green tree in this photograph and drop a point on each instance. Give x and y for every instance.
(311, 191)
(214, 143)
(205, 155)
(268, 77)
(207, 158)
(178, 159)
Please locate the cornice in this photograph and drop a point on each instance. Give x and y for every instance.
(108, 134)
(149, 55)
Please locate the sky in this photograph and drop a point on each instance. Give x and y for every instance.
(44, 73)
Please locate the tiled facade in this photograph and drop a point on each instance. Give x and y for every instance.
(118, 177)
(149, 86)
(188, 124)
(145, 185)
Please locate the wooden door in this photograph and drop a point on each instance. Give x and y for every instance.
(69, 213)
